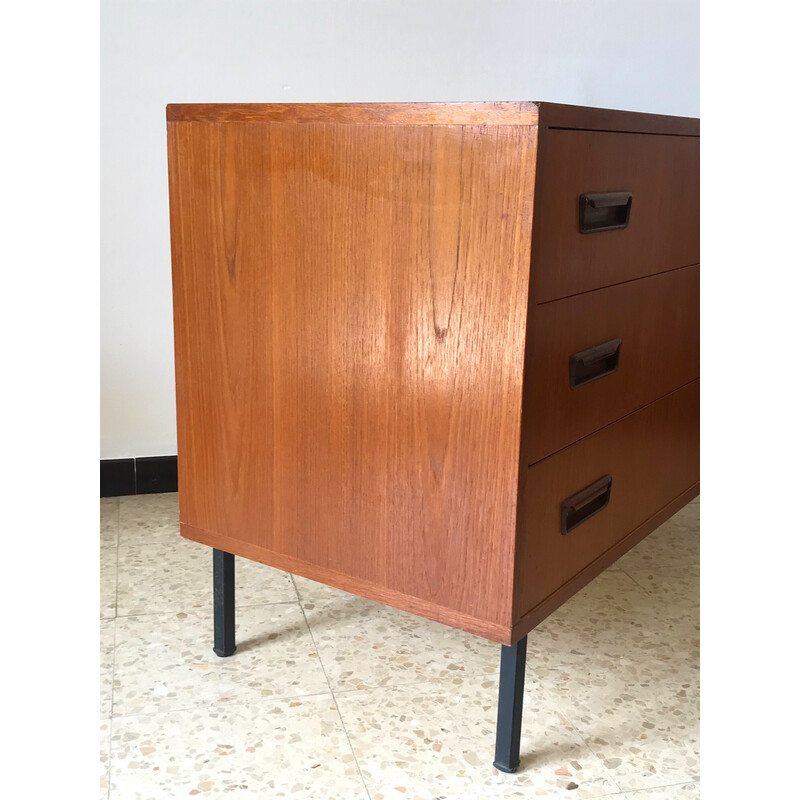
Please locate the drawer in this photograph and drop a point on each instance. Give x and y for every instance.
(662, 175)
(598, 356)
(650, 456)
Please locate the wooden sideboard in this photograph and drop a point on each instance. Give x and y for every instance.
(444, 356)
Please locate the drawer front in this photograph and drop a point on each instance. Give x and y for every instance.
(662, 176)
(598, 356)
(650, 457)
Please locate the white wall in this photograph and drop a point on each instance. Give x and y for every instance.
(640, 55)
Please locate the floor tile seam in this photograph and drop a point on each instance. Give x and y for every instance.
(658, 608)
(332, 598)
(434, 633)
(175, 541)
(116, 525)
(438, 640)
(116, 572)
(333, 695)
(123, 535)
(648, 789)
(551, 705)
(113, 666)
(432, 681)
(416, 681)
(425, 679)
(652, 555)
(110, 759)
(196, 610)
(224, 704)
(635, 584)
(664, 573)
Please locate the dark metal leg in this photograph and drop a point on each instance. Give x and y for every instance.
(509, 706)
(224, 611)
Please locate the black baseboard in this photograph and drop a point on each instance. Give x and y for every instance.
(119, 476)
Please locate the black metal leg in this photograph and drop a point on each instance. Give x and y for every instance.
(509, 706)
(224, 611)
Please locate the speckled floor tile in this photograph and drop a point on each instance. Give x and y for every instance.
(674, 544)
(687, 791)
(177, 575)
(673, 602)
(671, 608)
(612, 617)
(105, 753)
(419, 699)
(640, 717)
(312, 590)
(688, 516)
(106, 665)
(109, 521)
(362, 644)
(431, 741)
(145, 518)
(108, 582)
(166, 662)
(272, 749)
(678, 586)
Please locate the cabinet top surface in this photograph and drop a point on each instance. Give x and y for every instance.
(552, 115)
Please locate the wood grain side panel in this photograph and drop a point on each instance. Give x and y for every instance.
(663, 175)
(502, 113)
(652, 456)
(219, 300)
(350, 311)
(372, 591)
(658, 320)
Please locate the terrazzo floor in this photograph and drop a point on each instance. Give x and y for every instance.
(333, 696)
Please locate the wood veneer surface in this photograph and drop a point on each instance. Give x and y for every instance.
(658, 320)
(359, 113)
(652, 456)
(354, 307)
(556, 115)
(546, 606)
(561, 115)
(663, 174)
(350, 312)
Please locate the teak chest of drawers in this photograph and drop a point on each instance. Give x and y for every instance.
(444, 356)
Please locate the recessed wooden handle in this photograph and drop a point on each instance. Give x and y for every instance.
(582, 505)
(607, 211)
(594, 363)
